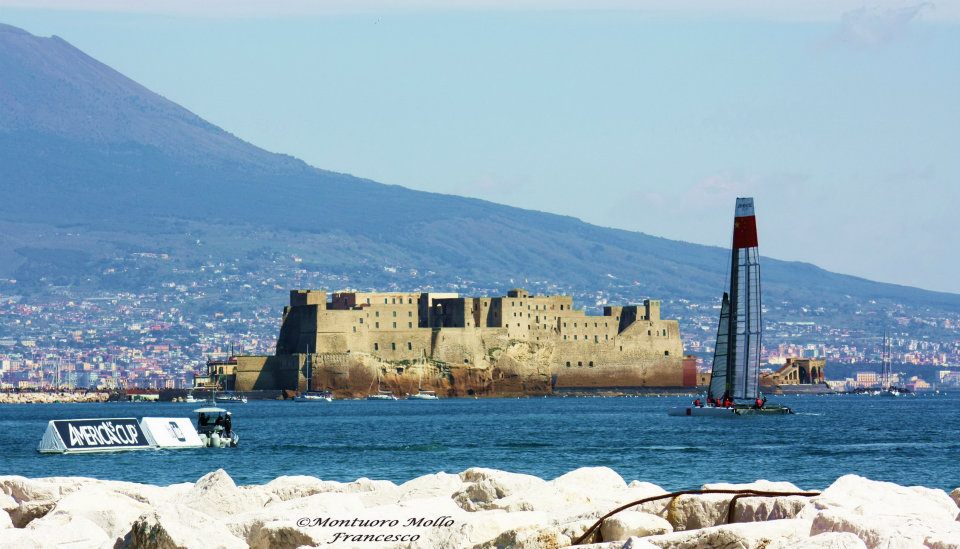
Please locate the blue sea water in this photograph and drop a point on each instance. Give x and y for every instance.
(908, 440)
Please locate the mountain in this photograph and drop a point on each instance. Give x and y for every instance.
(95, 167)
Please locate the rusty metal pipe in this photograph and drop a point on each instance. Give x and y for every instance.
(737, 495)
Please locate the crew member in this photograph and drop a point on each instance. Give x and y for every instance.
(697, 403)
(228, 424)
(758, 403)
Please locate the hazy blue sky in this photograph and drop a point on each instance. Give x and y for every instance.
(843, 121)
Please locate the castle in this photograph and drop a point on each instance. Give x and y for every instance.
(354, 342)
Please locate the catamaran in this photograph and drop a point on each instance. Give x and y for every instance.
(734, 382)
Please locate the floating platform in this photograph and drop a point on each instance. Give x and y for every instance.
(78, 436)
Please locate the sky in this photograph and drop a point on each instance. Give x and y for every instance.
(841, 118)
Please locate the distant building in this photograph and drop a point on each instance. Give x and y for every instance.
(517, 343)
(797, 375)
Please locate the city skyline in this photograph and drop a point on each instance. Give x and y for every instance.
(841, 127)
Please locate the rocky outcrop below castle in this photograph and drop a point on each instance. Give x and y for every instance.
(478, 508)
(51, 398)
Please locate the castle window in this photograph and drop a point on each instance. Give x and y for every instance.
(376, 325)
(394, 324)
(394, 313)
(361, 320)
(606, 337)
(648, 332)
(564, 338)
(368, 301)
(596, 339)
(354, 328)
(568, 364)
(561, 307)
(621, 348)
(393, 300)
(409, 301)
(376, 346)
(409, 346)
(393, 346)
(384, 301)
(591, 364)
(574, 338)
(377, 313)
(666, 353)
(409, 324)
(580, 364)
(409, 313)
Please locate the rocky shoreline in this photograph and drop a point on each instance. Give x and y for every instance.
(478, 508)
(39, 397)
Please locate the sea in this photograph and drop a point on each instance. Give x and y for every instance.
(911, 440)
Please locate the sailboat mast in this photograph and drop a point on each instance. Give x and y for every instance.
(745, 321)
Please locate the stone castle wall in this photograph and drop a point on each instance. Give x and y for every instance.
(515, 344)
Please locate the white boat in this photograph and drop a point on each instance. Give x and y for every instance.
(190, 399)
(230, 397)
(423, 395)
(382, 395)
(216, 432)
(735, 378)
(314, 396)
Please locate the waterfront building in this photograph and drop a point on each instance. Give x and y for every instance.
(518, 343)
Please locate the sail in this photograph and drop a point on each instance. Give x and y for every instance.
(721, 357)
(743, 366)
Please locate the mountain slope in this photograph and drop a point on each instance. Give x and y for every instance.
(85, 150)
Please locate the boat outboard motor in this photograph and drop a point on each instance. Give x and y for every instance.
(215, 440)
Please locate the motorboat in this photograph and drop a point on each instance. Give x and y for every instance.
(314, 396)
(735, 377)
(215, 427)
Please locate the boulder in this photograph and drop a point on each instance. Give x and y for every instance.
(529, 537)
(626, 524)
(112, 512)
(216, 495)
(5, 520)
(694, 511)
(299, 486)
(178, 527)
(638, 543)
(876, 497)
(828, 540)
(484, 486)
(28, 511)
(883, 514)
(591, 479)
(741, 535)
(888, 530)
(281, 534)
(471, 529)
(428, 486)
(63, 531)
(332, 504)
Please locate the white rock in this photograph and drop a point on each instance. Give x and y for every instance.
(64, 531)
(5, 521)
(883, 514)
(876, 497)
(638, 543)
(485, 486)
(530, 537)
(292, 487)
(179, 527)
(29, 511)
(216, 495)
(888, 530)
(428, 486)
(828, 540)
(694, 511)
(243, 525)
(591, 479)
(741, 535)
(112, 512)
(626, 524)
(471, 529)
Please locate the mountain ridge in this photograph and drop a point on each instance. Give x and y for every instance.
(93, 149)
